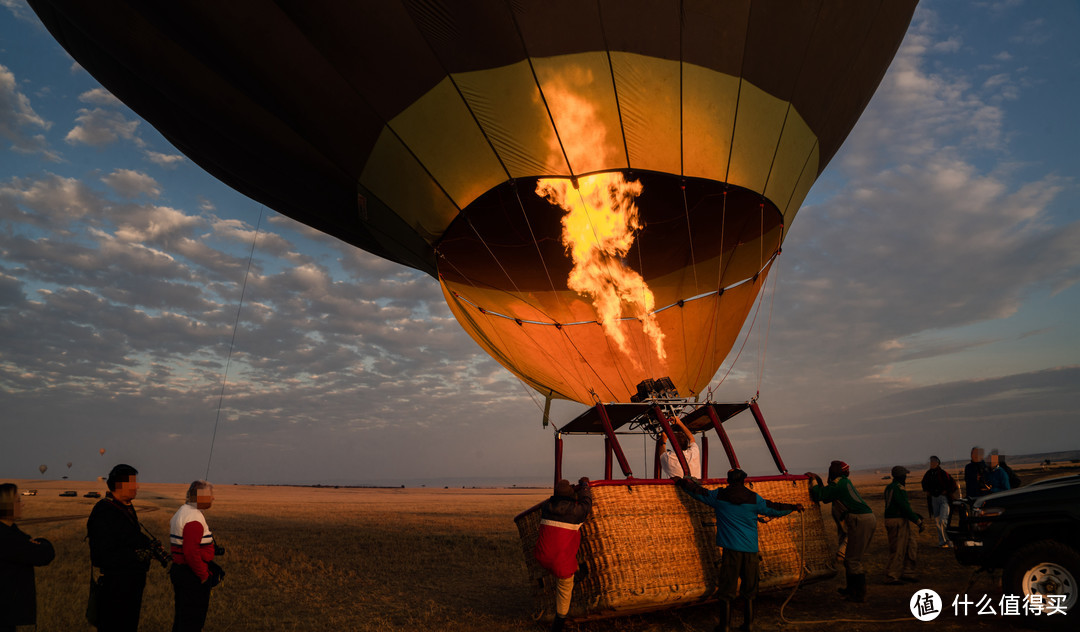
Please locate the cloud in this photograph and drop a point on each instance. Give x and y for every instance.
(129, 184)
(20, 10)
(18, 120)
(167, 161)
(929, 231)
(100, 127)
(100, 96)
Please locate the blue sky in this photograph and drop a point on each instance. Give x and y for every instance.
(925, 302)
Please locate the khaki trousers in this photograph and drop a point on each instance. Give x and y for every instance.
(903, 548)
(860, 528)
(564, 587)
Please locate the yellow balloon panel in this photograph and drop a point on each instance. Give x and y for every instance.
(579, 93)
(510, 108)
(649, 103)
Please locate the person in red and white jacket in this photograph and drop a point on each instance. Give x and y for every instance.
(193, 572)
(560, 536)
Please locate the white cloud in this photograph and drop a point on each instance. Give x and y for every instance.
(19, 121)
(100, 96)
(129, 184)
(167, 161)
(99, 127)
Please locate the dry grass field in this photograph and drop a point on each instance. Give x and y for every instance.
(420, 559)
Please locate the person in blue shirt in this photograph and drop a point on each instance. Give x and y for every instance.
(996, 477)
(737, 510)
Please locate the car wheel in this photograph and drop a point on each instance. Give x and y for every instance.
(1044, 568)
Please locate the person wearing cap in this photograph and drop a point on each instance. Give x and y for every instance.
(938, 486)
(561, 517)
(899, 516)
(737, 510)
(858, 519)
(669, 460)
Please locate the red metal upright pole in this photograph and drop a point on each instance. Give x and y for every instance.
(671, 437)
(730, 451)
(768, 437)
(558, 457)
(704, 456)
(610, 432)
(607, 459)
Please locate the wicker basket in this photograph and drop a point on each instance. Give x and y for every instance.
(647, 546)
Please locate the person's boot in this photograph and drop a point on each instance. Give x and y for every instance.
(725, 616)
(857, 592)
(846, 590)
(558, 623)
(748, 615)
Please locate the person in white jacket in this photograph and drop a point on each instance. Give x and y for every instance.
(193, 572)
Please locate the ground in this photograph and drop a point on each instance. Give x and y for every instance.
(425, 559)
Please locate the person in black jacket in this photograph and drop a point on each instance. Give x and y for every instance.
(19, 554)
(122, 551)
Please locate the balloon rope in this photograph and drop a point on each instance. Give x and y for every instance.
(232, 343)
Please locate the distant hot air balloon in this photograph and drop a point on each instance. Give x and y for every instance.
(42, 468)
(69, 465)
(600, 188)
(102, 451)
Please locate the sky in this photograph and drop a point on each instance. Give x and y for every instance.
(926, 300)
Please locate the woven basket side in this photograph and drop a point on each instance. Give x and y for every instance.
(648, 546)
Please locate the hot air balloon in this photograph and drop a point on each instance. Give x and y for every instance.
(600, 188)
(42, 468)
(69, 465)
(101, 452)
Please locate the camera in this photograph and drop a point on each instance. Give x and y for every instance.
(155, 551)
(218, 550)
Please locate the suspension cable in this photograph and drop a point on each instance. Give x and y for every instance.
(232, 343)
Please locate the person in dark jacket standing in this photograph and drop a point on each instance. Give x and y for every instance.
(899, 516)
(975, 483)
(19, 554)
(121, 550)
(557, 544)
(938, 486)
(858, 519)
(737, 510)
(193, 572)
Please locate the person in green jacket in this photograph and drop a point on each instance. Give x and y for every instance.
(899, 516)
(858, 519)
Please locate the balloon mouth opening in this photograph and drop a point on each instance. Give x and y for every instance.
(511, 238)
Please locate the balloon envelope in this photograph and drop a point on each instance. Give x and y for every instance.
(600, 188)
(102, 452)
(42, 468)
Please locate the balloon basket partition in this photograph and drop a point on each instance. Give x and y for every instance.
(647, 545)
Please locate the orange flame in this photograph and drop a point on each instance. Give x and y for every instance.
(598, 231)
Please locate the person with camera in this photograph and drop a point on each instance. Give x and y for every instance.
(193, 572)
(19, 554)
(737, 510)
(669, 459)
(557, 544)
(121, 548)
